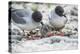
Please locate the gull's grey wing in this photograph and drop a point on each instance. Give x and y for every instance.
(22, 13)
(17, 16)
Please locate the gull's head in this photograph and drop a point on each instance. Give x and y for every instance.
(37, 16)
(59, 10)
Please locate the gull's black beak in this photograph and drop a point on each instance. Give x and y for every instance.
(64, 15)
(42, 23)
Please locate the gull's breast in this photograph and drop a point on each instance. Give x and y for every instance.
(58, 22)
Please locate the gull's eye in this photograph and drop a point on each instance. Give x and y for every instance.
(60, 11)
(37, 16)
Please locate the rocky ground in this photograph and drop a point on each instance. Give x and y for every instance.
(57, 42)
